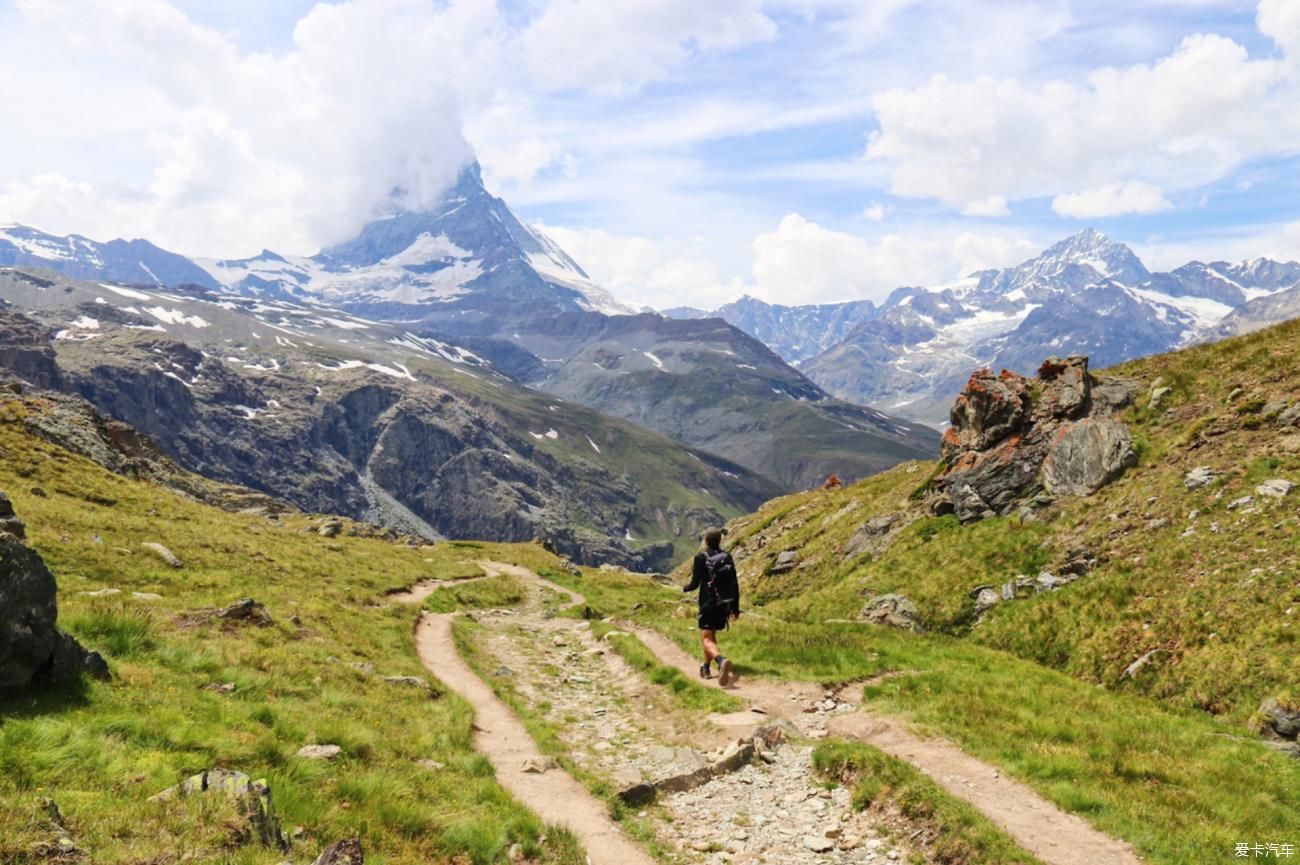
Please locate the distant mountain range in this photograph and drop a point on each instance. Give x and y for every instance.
(1085, 295)
(468, 274)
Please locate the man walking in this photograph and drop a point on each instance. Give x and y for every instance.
(714, 574)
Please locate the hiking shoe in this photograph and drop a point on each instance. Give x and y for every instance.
(705, 671)
(724, 671)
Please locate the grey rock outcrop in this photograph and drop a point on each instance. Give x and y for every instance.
(1013, 438)
(253, 798)
(1279, 721)
(892, 610)
(32, 649)
(1090, 454)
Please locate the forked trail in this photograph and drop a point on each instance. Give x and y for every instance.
(554, 795)
(1055, 837)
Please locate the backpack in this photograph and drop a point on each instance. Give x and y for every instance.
(718, 566)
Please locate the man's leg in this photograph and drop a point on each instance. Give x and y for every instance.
(709, 640)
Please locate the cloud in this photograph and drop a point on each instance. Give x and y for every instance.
(803, 262)
(1280, 21)
(993, 205)
(1113, 199)
(875, 211)
(1188, 119)
(797, 262)
(240, 150)
(658, 273)
(612, 47)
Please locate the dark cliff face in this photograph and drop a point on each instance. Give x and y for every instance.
(26, 353)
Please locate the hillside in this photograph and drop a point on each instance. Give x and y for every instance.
(1168, 583)
(338, 414)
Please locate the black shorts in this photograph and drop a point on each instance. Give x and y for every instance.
(713, 618)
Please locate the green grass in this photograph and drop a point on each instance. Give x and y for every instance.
(686, 694)
(961, 835)
(490, 593)
(102, 749)
(1175, 783)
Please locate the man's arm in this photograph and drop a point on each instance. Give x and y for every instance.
(697, 575)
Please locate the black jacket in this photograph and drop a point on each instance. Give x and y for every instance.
(726, 583)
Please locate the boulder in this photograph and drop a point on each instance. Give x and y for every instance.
(1012, 438)
(892, 610)
(1276, 488)
(1289, 417)
(786, 561)
(871, 536)
(986, 597)
(988, 409)
(1279, 720)
(345, 852)
(1088, 455)
(32, 649)
(1199, 477)
(1066, 386)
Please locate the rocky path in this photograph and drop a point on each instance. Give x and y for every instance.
(620, 729)
(1037, 825)
(555, 796)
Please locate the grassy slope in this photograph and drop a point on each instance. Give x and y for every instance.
(1221, 605)
(102, 751)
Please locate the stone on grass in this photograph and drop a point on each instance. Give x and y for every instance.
(410, 682)
(1199, 477)
(786, 561)
(246, 610)
(892, 610)
(254, 798)
(163, 553)
(320, 752)
(345, 852)
(1279, 720)
(1276, 488)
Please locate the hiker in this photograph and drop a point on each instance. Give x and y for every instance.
(714, 574)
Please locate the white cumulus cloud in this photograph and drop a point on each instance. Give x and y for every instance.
(1113, 199)
(1185, 120)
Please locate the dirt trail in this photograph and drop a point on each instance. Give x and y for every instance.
(1056, 837)
(555, 796)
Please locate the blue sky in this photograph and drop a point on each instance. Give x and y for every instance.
(683, 152)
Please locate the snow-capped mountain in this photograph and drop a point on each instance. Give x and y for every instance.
(468, 258)
(123, 261)
(795, 332)
(1087, 294)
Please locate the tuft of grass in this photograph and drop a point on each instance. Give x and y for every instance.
(689, 695)
(962, 835)
(490, 593)
(121, 631)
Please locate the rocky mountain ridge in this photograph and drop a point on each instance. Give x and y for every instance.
(339, 414)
